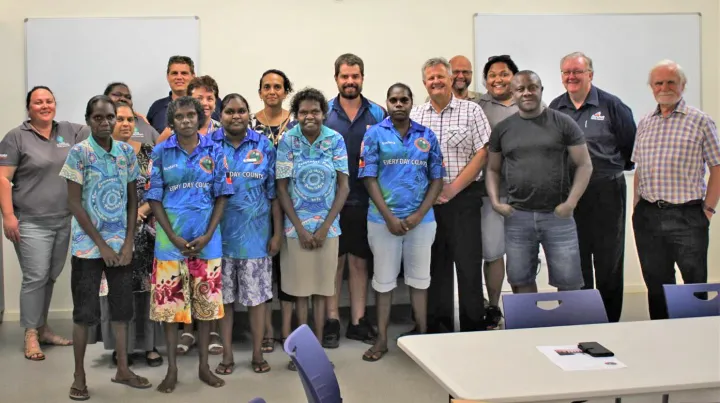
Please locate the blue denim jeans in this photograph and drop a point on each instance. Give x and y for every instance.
(525, 231)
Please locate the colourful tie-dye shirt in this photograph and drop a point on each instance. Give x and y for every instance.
(104, 177)
(312, 171)
(246, 224)
(187, 185)
(403, 166)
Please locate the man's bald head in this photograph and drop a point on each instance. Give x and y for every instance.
(462, 75)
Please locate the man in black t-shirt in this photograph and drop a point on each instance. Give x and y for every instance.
(537, 145)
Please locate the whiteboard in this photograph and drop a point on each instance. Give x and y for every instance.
(78, 57)
(623, 47)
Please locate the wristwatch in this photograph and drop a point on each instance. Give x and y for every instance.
(708, 208)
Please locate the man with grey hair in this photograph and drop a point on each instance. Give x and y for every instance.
(609, 130)
(673, 204)
(463, 132)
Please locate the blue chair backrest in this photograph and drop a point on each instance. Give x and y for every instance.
(314, 367)
(257, 400)
(580, 307)
(682, 302)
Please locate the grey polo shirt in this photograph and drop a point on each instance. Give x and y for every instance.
(144, 133)
(38, 190)
(496, 112)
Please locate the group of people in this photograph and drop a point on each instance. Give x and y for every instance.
(201, 204)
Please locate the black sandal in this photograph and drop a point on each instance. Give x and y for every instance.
(153, 362)
(374, 355)
(260, 367)
(268, 345)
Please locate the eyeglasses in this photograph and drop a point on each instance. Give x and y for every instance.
(499, 57)
(567, 73)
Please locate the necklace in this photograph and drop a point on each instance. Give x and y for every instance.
(269, 123)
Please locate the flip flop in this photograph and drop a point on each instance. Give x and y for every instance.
(215, 348)
(182, 349)
(225, 369)
(137, 382)
(260, 367)
(79, 394)
(373, 355)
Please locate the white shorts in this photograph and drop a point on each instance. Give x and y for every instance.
(493, 231)
(412, 249)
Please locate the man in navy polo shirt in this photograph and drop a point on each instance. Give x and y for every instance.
(609, 130)
(180, 71)
(351, 114)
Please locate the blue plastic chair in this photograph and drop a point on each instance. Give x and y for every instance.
(257, 400)
(315, 370)
(580, 307)
(682, 302)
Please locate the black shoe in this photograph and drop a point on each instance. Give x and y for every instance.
(493, 316)
(153, 362)
(363, 332)
(331, 334)
(114, 359)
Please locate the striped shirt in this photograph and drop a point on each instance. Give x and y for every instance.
(462, 129)
(671, 153)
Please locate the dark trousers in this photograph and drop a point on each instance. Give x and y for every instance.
(666, 236)
(600, 218)
(458, 240)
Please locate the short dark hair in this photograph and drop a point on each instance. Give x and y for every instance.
(308, 94)
(206, 82)
(112, 86)
(349, 59)
(35, 88)
(230, 97)
(124, 104)
(529, 74)
(500, 59)
(182, 102)
(181, 60)
(287, 85)
(402, 86)
(96, 100)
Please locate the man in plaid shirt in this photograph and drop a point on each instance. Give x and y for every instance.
(673, 205)
(463, 132)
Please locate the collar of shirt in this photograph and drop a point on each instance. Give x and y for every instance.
(489, 98)
(452, 105)
(250, 135)
(414, 127)
(680, 107)
(591, 99)
(172, 142)
(100, 152)
(28, 127)
(335, 106)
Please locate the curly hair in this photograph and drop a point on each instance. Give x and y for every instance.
(183, 102)
(308, 94)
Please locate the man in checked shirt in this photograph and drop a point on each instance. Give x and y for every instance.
(673, 205)
(463, 132)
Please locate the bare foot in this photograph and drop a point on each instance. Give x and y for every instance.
(79, 382)
(209, 378)
(168, 384)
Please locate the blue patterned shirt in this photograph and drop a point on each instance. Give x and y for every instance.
(312, 172)
(246, 225)
(187, 185)
(104, 177)
(403, 166)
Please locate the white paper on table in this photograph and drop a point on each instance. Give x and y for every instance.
(570, 358)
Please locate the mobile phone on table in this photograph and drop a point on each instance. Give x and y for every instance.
(595, 349)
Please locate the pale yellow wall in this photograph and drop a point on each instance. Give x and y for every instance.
(240, 39)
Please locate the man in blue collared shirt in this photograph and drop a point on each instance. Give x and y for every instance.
(351, 114)
(600, 214)
(180, 71)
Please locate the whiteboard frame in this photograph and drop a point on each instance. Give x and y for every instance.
(698, 13)
(175, 17)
